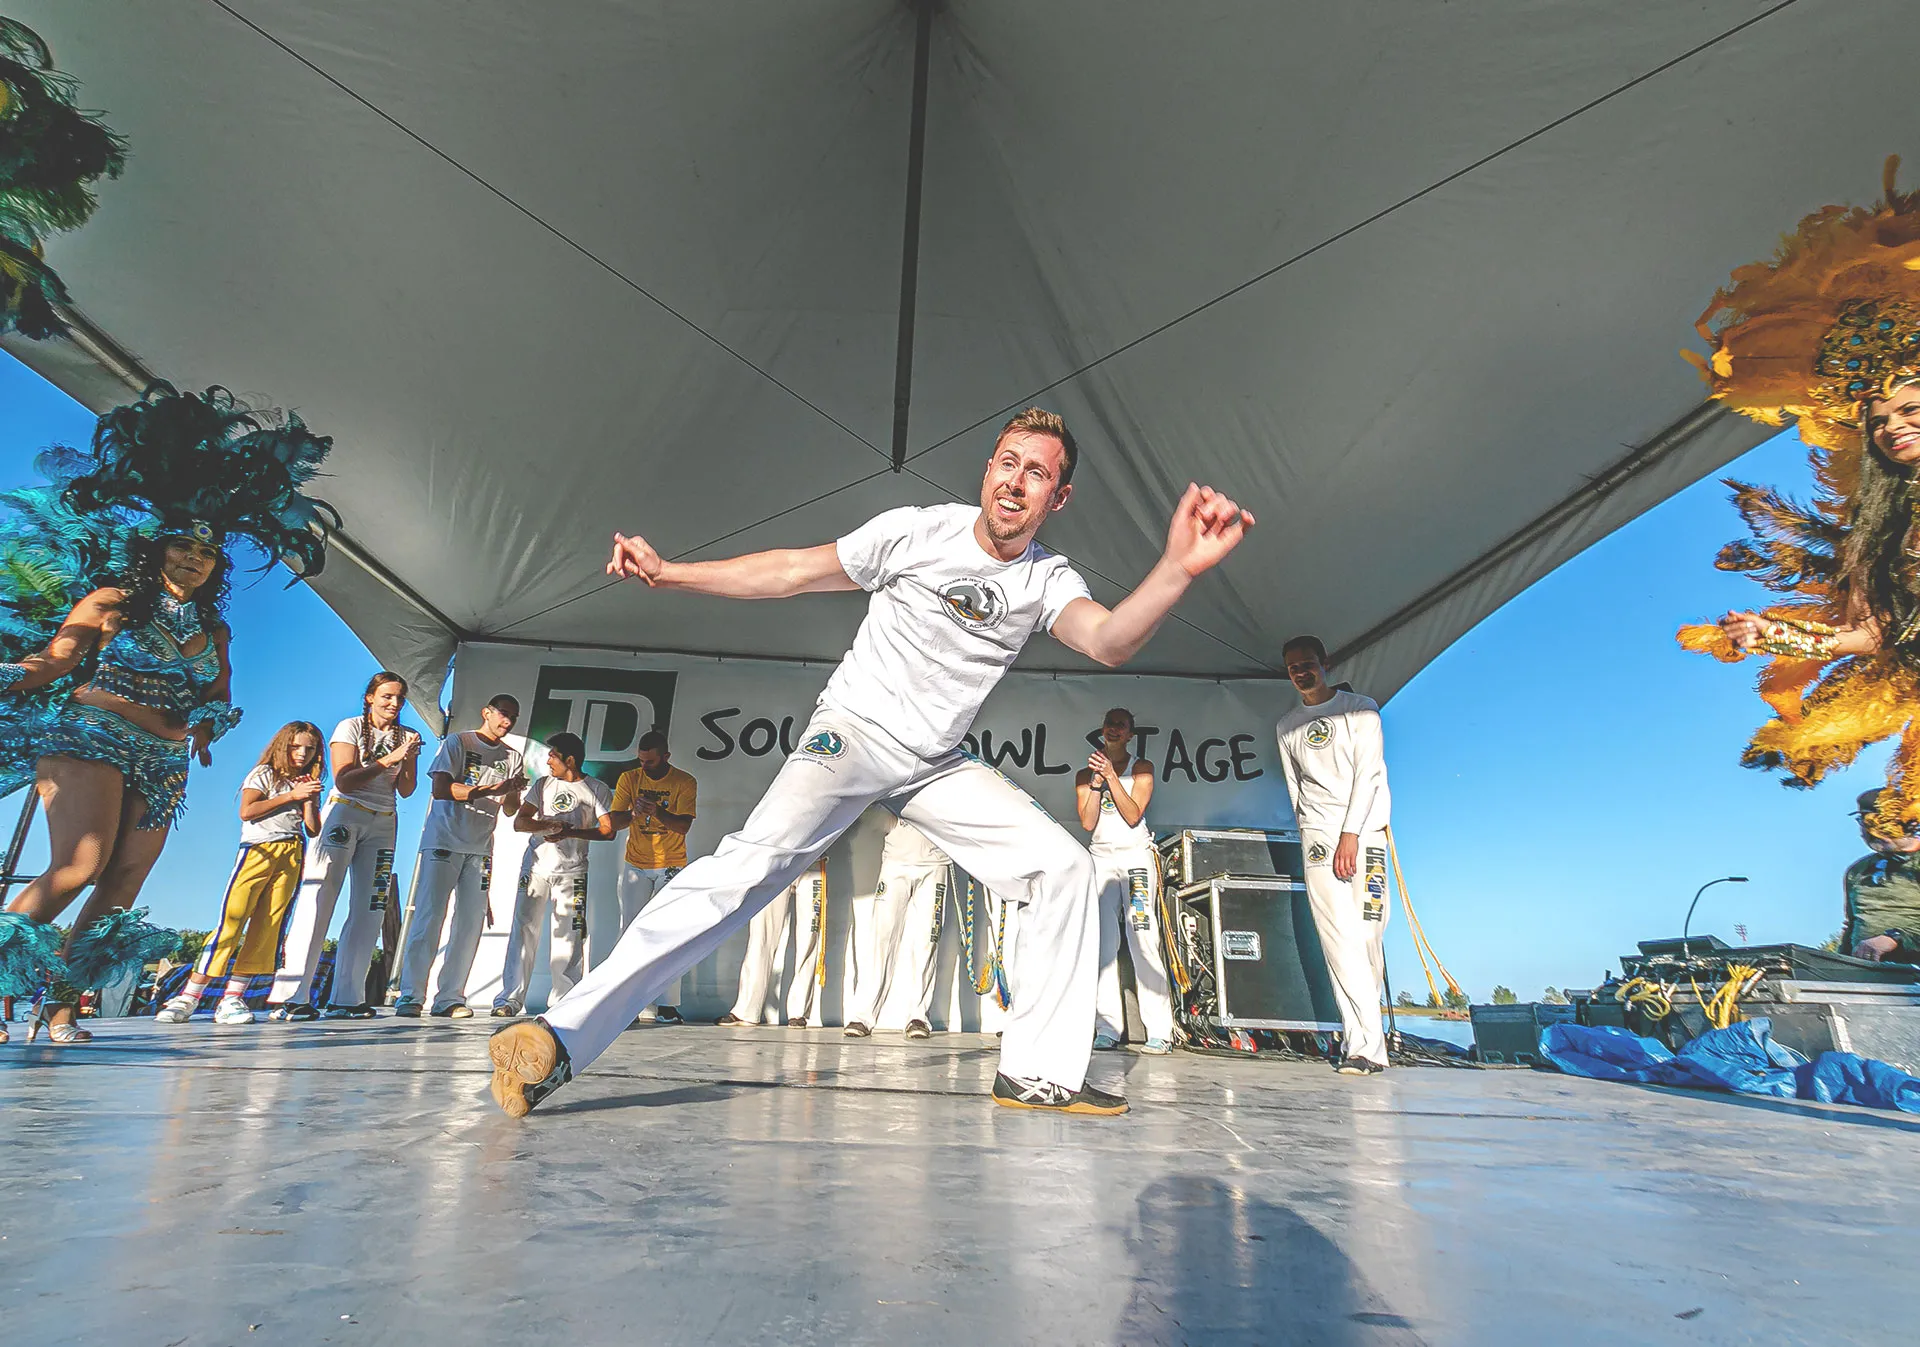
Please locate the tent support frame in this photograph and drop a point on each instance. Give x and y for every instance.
(910, 230)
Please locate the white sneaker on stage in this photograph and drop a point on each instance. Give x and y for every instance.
(233, 1010)
(177, 1011)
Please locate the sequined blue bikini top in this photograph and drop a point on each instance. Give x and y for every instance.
(145, 665)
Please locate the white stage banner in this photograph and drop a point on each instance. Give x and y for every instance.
(731, 723)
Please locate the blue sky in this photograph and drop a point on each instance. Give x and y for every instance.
(1564, 777)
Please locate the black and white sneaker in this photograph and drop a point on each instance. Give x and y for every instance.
(732, 1021)
(529, 1063)
(294, 1012)
(1044, 1094)
(1358, 1066)
(359, 1012)
(919, 1029)
(669, 1015)
(855, 1029)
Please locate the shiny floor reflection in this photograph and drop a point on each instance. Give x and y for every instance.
(351, 1183)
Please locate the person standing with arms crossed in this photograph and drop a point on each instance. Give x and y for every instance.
(654, 802)
(1334, 757)
(957, 592)
(1111, 795)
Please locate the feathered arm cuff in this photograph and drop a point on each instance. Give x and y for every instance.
(219, 717)
(11, 674)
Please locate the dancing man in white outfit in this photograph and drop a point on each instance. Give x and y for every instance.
(1112, 795)
(1335, 760)
(905, 915)
(957, 591)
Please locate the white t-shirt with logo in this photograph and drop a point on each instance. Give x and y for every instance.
(376, 793)
(1111, 832)
(945, 621)
(467, 825)
(277, 826)
(907, 848)
(578, 804)
(1335, 761)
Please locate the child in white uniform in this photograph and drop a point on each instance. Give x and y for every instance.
(567, 810)
(374, 761)
(957, 591)
(1126, 876)
(475, 775)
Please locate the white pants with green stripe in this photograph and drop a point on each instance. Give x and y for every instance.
(562, 896)
(767, 947)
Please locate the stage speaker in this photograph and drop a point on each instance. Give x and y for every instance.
(1256, 932)
(1194, 855)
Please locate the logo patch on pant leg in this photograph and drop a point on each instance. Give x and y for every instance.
(824, 744)
(1317, 853)
(337, 836)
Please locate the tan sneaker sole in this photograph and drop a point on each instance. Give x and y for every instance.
(1079, 1106)
(523, 1054)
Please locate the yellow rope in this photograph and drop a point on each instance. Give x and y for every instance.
(1421, 946)
(820, 925)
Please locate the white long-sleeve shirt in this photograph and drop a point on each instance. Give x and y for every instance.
(1335, 759)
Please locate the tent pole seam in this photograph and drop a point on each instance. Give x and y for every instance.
(910, 231)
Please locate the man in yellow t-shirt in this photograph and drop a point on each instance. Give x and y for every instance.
(654, 802)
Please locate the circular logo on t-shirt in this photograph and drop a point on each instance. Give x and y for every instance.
(562, 801)
(976, 603)
(1107, 806)
(1320, 733)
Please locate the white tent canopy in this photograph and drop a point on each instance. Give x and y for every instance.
(1408, 279)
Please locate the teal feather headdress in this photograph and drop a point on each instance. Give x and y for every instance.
(200, 465)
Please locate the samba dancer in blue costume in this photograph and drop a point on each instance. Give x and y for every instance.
(113, 584)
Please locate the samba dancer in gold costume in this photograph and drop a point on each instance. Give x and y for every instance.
(1827, 334)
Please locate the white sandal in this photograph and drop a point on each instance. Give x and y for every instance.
(59, 1035)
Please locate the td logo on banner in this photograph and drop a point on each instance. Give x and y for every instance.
(608, 708)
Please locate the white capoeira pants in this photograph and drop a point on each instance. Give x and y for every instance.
(443, 878)
(635, 888)
(901, 926)
(562, 894)
(989, 826)
(1114, 877)
(1351, 917)
(354, 850)
(767, 942)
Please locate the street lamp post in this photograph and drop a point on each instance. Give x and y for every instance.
(1687, 926)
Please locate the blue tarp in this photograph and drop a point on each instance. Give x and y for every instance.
(1742, 1059)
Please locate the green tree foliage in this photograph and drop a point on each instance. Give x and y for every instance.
(1405, 1001)
(1433, 1001)
(1503, 996)
(1457, 1000)
(1553, 997)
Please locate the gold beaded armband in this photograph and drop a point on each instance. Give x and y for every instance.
(1797, 638)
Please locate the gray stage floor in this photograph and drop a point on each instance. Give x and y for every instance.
(353, 1184)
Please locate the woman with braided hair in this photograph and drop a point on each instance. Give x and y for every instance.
(113, 581)
(375, 759)
(1827, 335)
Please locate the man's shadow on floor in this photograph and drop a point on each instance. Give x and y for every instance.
(1215, 1266)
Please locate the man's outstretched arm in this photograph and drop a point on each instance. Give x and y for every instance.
(1206, 526)
(777, 574)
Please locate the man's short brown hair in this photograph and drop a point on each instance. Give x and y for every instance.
(1040, 421)
(1313, 643)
